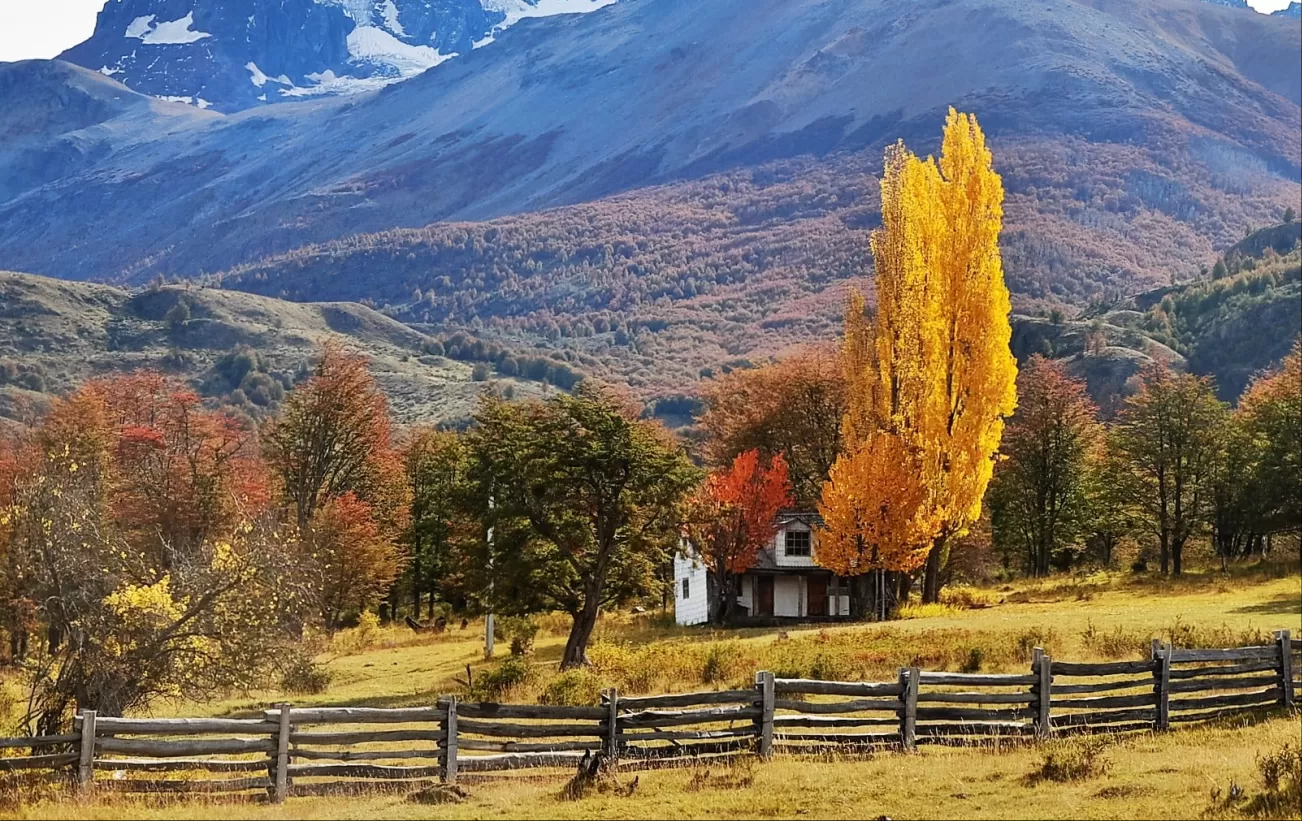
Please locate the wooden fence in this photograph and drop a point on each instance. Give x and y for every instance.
(319, 750)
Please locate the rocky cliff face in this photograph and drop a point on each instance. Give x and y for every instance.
(236, 54)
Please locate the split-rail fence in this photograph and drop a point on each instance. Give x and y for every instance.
(293, 751)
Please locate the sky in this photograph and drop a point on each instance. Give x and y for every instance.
(43, 28)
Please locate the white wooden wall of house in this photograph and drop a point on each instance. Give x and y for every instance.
(694, 608)
(779, 546)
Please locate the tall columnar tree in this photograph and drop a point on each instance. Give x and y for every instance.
(792, 407)
(1040, 495)
(583, 502)
(1165, 444)
(939, 374)
(732, 516)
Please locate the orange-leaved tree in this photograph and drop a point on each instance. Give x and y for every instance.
(334, 440)
(938, 374)
(334, 436)
(182, 475)
(791, 407)
(732, 516)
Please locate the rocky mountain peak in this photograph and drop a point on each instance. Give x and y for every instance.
(236, 54)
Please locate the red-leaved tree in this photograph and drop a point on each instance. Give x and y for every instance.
(732, 516)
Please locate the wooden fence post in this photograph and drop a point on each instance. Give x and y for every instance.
(280, 780)
(86, 764)
(1042, 668)
(610, 743)
(1162, 683)
(910, 678)
(450, 741)
(764, 684)
(1284, 642)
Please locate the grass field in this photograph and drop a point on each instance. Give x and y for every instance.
(1167, 776)
(1103, 616)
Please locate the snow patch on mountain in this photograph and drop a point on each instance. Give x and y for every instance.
(372, 44)
(391, 21)
(517, 10)
(174, 32)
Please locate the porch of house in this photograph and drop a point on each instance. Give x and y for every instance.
(788, 595)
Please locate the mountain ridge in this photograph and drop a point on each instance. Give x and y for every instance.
(237, 54)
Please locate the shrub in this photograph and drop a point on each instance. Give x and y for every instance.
(573, 688)
(917, 610)
(1116, 643)
(305, 677)
(519, 630)
(972, 664)
(1281, 775)
(494, 684)
(723, 662)
(966, 597)
(1073, 760)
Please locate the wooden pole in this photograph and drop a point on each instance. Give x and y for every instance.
(280, 786)
(610, 743)
(909, 680)
(1286, 694)
(86, 763)
(767, 697)
(1162, 683)
(1043, 670)
(450, 743)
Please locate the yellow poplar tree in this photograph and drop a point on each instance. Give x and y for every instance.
(935, 371)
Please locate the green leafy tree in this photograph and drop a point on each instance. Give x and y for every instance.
(1166, 442)
(582, 501)
(1040, 496)
(435, 462)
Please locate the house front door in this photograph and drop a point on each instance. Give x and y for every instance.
(817, 587)
(764, 596)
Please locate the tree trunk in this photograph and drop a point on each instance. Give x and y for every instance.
(585, 621)
(1165, 543)
(415, 587)
(859, 599)
(931, 574)
(904, 586)
(1177, 548)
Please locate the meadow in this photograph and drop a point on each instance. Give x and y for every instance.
(1213, 770)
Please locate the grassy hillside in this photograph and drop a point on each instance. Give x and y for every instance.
(238, 349)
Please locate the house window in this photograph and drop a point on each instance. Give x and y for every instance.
(797, 543)
(687, 588)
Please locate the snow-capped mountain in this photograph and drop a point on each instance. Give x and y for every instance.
(236, 54)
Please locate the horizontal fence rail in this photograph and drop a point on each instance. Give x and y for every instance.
(299, 751)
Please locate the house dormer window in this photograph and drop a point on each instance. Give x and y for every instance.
(796, 543)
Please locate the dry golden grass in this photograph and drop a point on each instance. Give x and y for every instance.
(1151, 776)
(1080, 618)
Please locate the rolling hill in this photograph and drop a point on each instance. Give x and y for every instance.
(239, 350)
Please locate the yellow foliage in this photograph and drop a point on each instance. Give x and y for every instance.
(934, 374)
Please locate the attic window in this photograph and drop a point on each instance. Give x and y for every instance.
(797, 543)
(687, 589)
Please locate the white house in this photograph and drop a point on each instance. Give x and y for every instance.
(784, 584)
